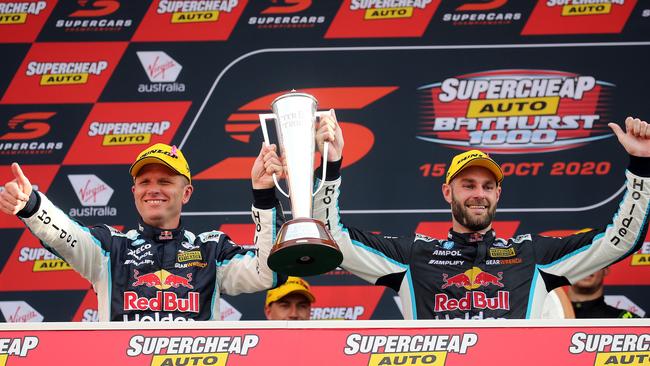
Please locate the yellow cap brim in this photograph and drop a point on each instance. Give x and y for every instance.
(135, 167)
(278, 293)
(484, 162)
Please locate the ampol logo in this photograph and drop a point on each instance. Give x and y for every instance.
(159, 66)
(90, 190)
(19, 312)
(514, 111)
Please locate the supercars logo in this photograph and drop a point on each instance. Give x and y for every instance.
(195, 11)
(96, 8)
(277, 15)
(287, 6)
(17, 12)
(578, 17)
(514, 111)
(94, 11)
(245, 121)
(481, 13)
(382, 18)
(28, 126)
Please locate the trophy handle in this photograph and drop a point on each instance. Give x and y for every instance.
(325, 149)
(265, 133)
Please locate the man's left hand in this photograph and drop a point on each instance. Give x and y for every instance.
(636, 138)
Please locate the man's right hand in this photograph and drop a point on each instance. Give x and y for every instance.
(330, 131)
(16, 192)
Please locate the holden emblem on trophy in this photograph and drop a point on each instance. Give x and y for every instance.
(303, 246)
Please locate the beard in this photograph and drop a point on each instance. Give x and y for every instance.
(472, 222)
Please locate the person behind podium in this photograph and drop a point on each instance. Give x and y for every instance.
(289, 301)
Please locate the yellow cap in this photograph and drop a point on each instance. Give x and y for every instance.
(293, 285)
(473, 158)
(162, 154)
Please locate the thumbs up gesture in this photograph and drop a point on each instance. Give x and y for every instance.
(636, 137)
(16, 192)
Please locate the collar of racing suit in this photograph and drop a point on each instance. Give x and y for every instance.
(472, 238)
(157, 234)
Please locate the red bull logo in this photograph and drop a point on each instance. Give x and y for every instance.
(161, 279)
(163, 301)
(472, 279)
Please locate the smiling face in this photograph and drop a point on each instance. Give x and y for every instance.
(160, 194)
(473, 195)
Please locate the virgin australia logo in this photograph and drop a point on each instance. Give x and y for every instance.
(93, 193)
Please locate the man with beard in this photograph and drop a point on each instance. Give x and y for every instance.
(473, 273)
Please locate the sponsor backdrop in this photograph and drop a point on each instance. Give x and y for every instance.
(85, 85)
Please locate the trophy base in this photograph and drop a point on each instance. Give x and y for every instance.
(304, 247)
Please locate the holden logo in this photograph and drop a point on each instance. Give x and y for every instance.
(159, 66)
(90, 190)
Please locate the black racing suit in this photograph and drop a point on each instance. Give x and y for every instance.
(473, 276)
(598, 308)
(152, 274)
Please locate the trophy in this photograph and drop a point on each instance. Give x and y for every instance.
(303, 246)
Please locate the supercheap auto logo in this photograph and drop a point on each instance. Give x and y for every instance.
(64, 72)
(514, 111)
(613, 349)
(409, 349)
(42, 259)
(382, 18)
(190, 20)
(17, 12)
(18, 347)
(114, 133)
(579, 17)
(211, 350)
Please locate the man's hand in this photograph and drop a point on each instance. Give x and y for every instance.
(265, 165)
(330, 131)
(16, 192)
(636, 138)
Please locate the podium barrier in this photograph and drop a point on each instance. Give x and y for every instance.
(373, 343)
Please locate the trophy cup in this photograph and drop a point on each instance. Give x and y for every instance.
(303, 246)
